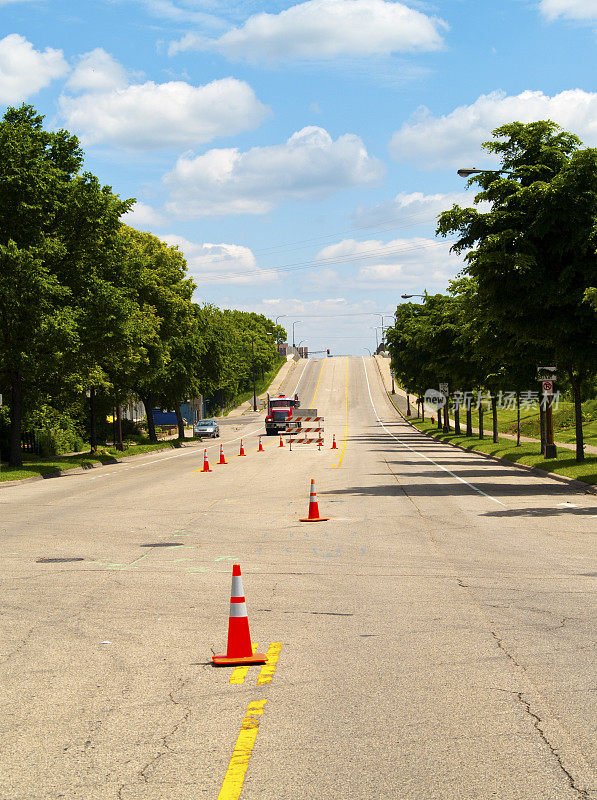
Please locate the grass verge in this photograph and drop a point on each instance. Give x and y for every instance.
(529, 454)
(36, 465)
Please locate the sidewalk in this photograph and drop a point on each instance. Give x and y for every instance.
(384, 368)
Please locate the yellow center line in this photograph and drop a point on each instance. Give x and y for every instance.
(240, 673)
(267, 670)
(239, 763)
(345, 434)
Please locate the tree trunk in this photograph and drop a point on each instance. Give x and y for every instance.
(469, 418)
(180, 422)
(407, 405)
(119, 444)
(457, 418)
(446, 428)
(422, 402)
(15, 458)
(517, 419)
(148, 403)
(576, 385)
(92, 422)
(439, 419)
(494, 418)
(481, 435)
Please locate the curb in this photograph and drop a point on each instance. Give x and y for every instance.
(575, 483)
(59, 473)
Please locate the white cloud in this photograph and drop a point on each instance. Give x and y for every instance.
(221, 263)
(454, 140)
(409, 210)
(97, 71)
(397, 263)
(309, 165)
(24, 70)
(571, 9)
(152, 115)
(144, 217)
(321, 29)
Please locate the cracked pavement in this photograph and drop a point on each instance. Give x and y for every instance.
(438, 631)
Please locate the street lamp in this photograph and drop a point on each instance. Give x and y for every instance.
(367, 349)
(466, 173)
(408, 296)
(253, 372)
(296, 322)
(378, 327)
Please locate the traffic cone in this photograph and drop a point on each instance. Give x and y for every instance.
(334, 446)
(314, 507)
(205, 463)
(242, 449)
(260, 448)
(281, 441)
(239, 649)
(222, 459)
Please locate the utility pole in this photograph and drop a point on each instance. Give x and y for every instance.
(253, 372)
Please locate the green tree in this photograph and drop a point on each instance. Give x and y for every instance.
(534, 252)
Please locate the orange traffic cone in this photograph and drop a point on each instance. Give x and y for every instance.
(314, 507)
(222, 459)
(239, 649)
(242, 449)
(205, 462)
(281, 441)
(260, 448)
(334, 446)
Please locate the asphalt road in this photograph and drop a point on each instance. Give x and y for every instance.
(434, 636)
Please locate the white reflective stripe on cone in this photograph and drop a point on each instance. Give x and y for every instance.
(238, 609)
(237, 586)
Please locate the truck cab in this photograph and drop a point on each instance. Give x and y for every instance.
(279, 410)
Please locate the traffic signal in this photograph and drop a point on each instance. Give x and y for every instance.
(328, 351)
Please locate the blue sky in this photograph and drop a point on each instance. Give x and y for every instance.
(299, 153)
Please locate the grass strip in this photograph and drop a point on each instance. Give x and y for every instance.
(36, 465)
(527, 453)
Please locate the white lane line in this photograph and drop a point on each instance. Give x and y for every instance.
(422, 455)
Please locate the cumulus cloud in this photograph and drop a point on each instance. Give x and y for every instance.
(321, 29)
(221, 263)
(144, 217)
(24, 70)
(397, 263)
(454, 140)
(156, 115)
(409, 210)
(570, 9)
(97, 71)
(310, 164)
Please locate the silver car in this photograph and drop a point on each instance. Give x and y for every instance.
(206, 427)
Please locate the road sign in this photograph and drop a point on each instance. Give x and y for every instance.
(546, 373)
(547, 387)
(444, 388)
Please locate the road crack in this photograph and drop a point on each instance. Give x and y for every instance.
(537, 722)
(506, 652)
(149, 768)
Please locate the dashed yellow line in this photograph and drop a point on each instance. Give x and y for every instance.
(240, 673)
(345, 434)
(266, 674)
(239, 763)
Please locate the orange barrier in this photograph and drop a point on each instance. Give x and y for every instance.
(242, 449)
(222, 458)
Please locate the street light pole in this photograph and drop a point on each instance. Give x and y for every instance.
(253, 372)
(296, 322)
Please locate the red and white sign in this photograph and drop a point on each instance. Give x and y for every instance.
(547, 387)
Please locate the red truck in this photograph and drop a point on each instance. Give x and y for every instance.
(279, 409)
